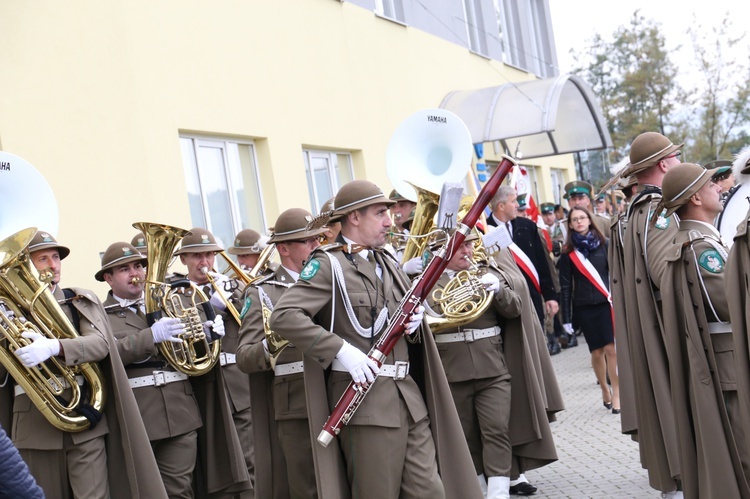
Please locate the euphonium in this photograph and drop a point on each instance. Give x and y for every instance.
(27, 305)
(424, 216)
(196, 354)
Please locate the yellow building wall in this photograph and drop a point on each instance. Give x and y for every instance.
(95, 94)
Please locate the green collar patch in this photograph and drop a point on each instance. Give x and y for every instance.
(310, 269)
(712, 261)
(246, 307)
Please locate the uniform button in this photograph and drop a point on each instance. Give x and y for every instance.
(321, 359)
(638, 280)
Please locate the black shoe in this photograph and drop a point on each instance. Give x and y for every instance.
(553, 346)
(523, 489)
(572, 341)
(615, 411)
(608, 405)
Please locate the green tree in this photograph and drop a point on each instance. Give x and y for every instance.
(634, 79)
(721, 106)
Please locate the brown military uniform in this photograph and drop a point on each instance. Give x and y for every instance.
(68, 464)
(480, 380)
(387, 443)
(698, 338)
(285, 403)
(170, 412)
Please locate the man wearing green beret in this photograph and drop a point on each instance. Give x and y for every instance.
(580, 194)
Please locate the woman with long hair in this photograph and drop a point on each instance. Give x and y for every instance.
(586, 302)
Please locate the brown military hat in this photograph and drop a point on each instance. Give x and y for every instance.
(198, 241)
(246, 242)
(441, 238)
(139, 243)
(358, 194)
(395, 196)
(118, 254)
(647, 150)
(295, 224)
(44, 240)
(680, 183)
(624, 183)
(328, 205)
(577, 187)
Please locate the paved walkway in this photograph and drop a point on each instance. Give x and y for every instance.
(595, 459)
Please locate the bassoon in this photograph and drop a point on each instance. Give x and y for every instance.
(354, 394)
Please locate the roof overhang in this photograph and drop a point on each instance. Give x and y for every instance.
(537, 118)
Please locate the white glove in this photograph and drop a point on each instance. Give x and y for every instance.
(413, 266)
(415, 320)
(37, 352)
(568, 328)
(217, 326)
(167, 329)
(490, 282)
(359, 365)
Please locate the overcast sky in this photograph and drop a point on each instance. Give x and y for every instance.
(575, 21)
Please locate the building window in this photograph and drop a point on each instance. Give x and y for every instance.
(390, 9)
(223, 186)
(558, 183)
(525, 32)
(475, 26)
(326, 172)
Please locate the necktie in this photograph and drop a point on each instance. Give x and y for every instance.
(510, 229)
(375, 265)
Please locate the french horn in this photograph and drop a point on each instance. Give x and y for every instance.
(27, 305)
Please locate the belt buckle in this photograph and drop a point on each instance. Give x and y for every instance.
(469, 335)
(402, 369)
(160, 378)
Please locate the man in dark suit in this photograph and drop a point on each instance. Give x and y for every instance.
(529, 251)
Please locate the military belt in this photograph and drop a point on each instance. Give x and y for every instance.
(398, 370)
(468, 335)
(227, 358)
(287, 369)
(719, 327)
(158, 378)
(18, 389)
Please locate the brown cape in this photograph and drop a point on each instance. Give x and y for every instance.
(535, 394)
(709, 458)
(657, 437)
(628, 418)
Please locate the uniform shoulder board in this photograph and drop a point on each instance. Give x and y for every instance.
(329, 247)
(263, 279)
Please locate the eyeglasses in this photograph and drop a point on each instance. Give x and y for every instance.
(579, 219)
(675, 155)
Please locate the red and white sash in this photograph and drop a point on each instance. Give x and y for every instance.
(525, 265)
(586, 268)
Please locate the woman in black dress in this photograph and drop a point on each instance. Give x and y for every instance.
(584, 286)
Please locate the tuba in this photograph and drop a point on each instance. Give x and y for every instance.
(197, 353)
(27, 305)
(429, 148)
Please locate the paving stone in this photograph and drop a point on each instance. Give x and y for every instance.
(595, 459)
